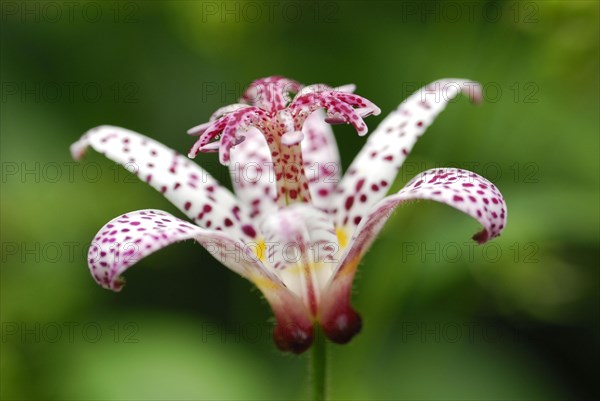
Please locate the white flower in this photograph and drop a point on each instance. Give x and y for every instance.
(295, 227)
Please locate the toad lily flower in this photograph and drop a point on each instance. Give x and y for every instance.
(295, 228)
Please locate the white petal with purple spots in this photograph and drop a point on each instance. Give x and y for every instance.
(374, 169)
(321, 159)
(252, 174)
(461, 189)
(189, 187)
(125, 240)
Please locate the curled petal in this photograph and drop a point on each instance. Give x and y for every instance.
(125, 240)
(463, 190)
(374, 169)
(190, 188)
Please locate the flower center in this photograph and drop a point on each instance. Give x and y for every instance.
(301, 247)
(278, 108)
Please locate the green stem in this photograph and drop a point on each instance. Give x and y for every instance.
(318, 365)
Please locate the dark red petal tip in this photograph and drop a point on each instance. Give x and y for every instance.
(293, 338)
(343, 326)
(482, 237)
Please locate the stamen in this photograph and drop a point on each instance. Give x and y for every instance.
(339, 107)
(348, 88)
(270, 108)
(271, 94)
(210, 147)
(228, 126)
(335, 120)
(226, 110)
(199, 129)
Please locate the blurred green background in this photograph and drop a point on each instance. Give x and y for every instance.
(516, 319)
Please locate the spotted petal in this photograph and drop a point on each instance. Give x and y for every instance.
(463, 190)
(252, 174)
(125, 240)
(321, 159)
(189, 187)
(374, 169)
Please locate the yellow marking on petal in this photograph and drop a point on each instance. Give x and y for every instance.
(264, 283)
(350, 267)
(260, 250)
(299, 268)
(342, 236)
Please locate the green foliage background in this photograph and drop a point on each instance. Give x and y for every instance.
(533, 306)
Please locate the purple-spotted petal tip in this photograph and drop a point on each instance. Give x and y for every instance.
(125, 240)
